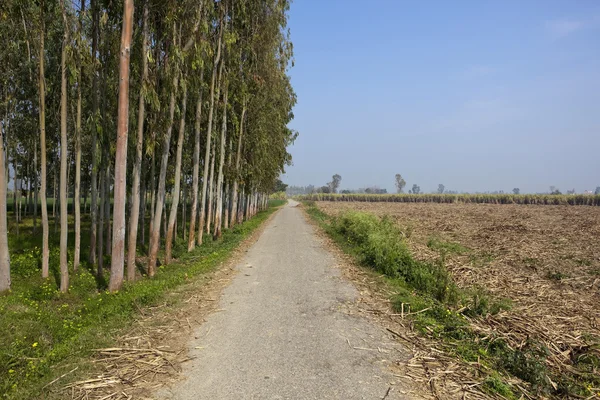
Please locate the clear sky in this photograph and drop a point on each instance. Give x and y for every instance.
(477, 95)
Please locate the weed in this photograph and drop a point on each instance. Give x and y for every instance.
(557, 275)
(436, 243)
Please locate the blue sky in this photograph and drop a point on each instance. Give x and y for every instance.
(477, 95)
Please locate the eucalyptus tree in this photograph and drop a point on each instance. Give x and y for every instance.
(173, 72)
(137, 167)
(64, 227)
(4, 254)
(43, 161)
(77, 189)
(120, 192)
(205, 184)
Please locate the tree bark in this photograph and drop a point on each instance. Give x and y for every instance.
(120, 191)
(177, 183)
(219, 186)
(77, 194)
(100, 235)
(94, 174)
(4, 254)
(196, 169)
(137, 167)
(238, 156)
(211, 190)
(107, 219)
(43, 183)
(208, 137)
(160, 198)
(36, 188)
(64, 227)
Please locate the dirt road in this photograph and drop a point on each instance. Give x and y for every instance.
(282, 330)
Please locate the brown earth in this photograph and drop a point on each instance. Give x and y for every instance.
(545, 259)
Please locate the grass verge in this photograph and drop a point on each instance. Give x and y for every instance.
(44, 333)
(440, 310)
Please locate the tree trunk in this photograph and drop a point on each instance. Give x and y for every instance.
(77, 194)
(177, 183)
(142, 200)
(43, 181)
(94, 174)
(4, 254)
(211, 190)
(219, 187)
(208, 137)
(16, 196)
(152, 192)
(234, 195)
(35, 189)
(64, 227)
(184, 209)
(100, 235)
(160, 198)
(137, 167)
(107, 220)
(120, 191)
(196, 169)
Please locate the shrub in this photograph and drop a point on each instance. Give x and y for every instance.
(381, 245)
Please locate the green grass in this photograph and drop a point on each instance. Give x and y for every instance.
(43, 332)
(441, 310)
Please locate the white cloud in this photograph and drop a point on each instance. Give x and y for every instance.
(564, 27)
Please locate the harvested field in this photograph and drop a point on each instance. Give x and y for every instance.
(545, 259)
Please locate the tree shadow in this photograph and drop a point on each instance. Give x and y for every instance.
(101, 283)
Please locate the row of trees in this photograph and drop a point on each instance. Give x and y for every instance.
(213, 72)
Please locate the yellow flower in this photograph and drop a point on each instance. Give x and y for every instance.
(35, 344)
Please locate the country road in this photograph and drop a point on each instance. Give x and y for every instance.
(282, 330)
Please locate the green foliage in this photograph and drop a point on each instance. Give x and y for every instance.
(42, 330)
(436, 243)
(382, 247)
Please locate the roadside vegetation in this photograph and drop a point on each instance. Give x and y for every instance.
(45, 333)
(461, 318)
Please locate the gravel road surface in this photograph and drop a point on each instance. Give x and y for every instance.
(282, 330)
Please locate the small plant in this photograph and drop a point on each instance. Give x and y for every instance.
(557, 275)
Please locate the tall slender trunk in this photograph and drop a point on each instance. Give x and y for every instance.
(77, 194)
(211, 190)
(160, 198)
(177, 183)
(238, 156)
(120, 191)
(94, 174)
(210, 183)
(64, 227)
(219, 187)
(184, 208)
(16, 196)
(35, 188)
(43, 180)
(227, 201)
(143, 201)
(4, 254)
(196, 169)
(209, 136)
(107, 220)
(100, 225)
(137, 167)
(152, 191)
